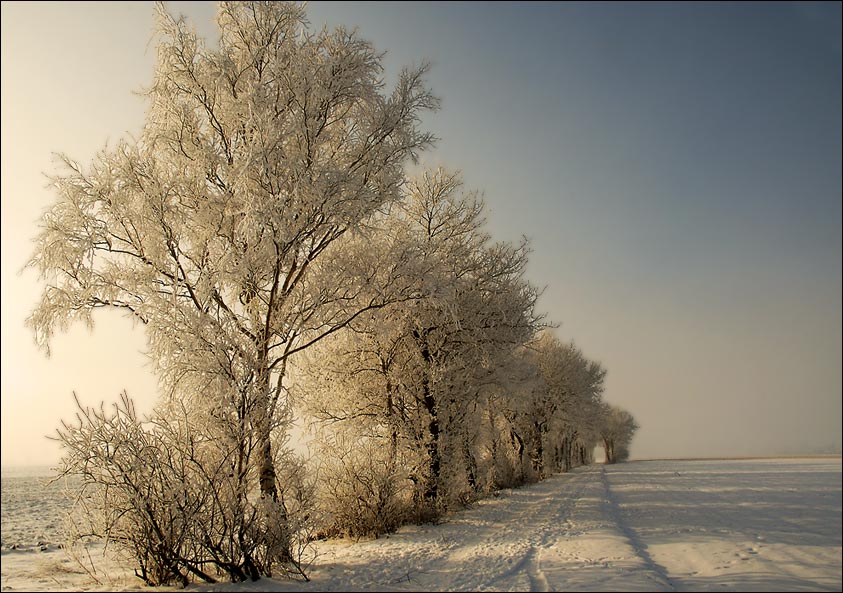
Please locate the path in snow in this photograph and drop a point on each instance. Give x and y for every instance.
(644, 526)
(562, 534)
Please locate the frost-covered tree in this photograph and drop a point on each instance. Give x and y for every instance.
(577, 384)
(551, 412)
(218, 227)
(616, 427)
(479, 309)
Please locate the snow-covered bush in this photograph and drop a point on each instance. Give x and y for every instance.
(172, 495)
(362, 491)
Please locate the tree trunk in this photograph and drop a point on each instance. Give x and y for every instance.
(569, 452)
(266, 476)
(609, 446)
(518, 442)
(431, 491)
(537, 455)
(471, 467)
(434, 460)
(558, 455)
(392, 423)
(269, 488)
(563, 460)
(493, 477)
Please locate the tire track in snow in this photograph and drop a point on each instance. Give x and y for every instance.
(529, 565)
(549, 520)
(538, 580)
(639, 547)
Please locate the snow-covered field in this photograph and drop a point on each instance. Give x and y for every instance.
(748, 525)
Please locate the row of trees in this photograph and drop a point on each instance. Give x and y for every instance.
(264, 231)
(456, 392)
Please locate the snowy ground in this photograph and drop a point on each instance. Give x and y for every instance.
(748, 525)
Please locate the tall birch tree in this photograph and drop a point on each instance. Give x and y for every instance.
(215, 227)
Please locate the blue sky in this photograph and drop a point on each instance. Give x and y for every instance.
(676, 167)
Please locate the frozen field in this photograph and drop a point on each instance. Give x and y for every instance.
(747, 525)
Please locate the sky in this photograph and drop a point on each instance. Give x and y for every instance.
(675, 166)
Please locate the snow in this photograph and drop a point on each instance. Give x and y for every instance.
(720, 525)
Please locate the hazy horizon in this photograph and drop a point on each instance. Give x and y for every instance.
(676, 167)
